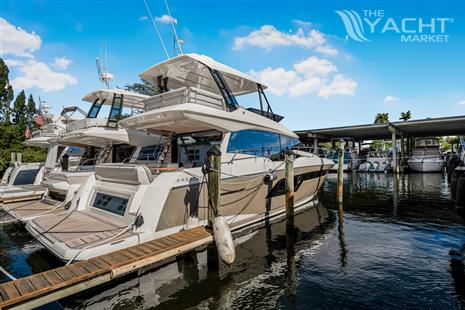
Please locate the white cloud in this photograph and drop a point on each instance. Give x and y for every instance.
(462, 102)
(314, 66)
(391, 99)
(29, 72)
(13, 62)
(303, 23)
(166, 19)
(305, 86)
(143, 18)
(340, 85)
(17, 41)
(62, 62)
(38, 74)
(309, 76)
(278, 80)
(326, 50)
(268, 37)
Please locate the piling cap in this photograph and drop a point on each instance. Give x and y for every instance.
(214, 150)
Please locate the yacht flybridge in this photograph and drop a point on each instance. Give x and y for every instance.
(162, 190)
(93, 143)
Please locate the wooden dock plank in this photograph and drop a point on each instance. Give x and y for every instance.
(24, 286)
(50, 285)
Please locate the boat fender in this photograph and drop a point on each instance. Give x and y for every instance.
(192, 221)
(270, 177)
(139, 221)
(67, 205)
(223, 239)
(460, 192)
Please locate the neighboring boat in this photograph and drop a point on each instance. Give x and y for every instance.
(93, 142)
(163, 190)
(376, 161)
(426, 156)
(351, 159)
(23, 181)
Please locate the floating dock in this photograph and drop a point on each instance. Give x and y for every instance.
(49, 286)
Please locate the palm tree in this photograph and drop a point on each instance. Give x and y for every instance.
(382, 118)
(405, 116)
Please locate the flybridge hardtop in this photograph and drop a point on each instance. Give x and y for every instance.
(197, 93)
(107, 96)
(193, 70)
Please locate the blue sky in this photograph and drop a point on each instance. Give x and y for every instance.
(319, 77)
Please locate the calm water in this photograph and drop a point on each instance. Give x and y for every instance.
(397, 244)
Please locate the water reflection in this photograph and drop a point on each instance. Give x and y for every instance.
(395, 242)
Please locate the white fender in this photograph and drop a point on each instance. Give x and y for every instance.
(223, 239)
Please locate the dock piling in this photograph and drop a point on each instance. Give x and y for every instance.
(340, 172)
(213, 182)
(289, 186)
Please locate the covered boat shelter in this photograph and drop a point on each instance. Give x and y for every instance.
(428, 127)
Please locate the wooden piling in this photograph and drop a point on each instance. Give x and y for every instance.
(340, 172)
(289, 186)
(213, 182)
(12, 158)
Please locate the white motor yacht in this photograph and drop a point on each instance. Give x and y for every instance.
(23, 181)
(162, 190)
(93, 142)
(426, 156)
(376, 161)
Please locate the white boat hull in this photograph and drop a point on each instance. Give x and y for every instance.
(426, 165)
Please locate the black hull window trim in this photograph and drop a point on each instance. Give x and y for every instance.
(280, 189)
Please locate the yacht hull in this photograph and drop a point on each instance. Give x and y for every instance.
(426, 165)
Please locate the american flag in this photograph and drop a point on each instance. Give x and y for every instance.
(27, 133)
(39, 118)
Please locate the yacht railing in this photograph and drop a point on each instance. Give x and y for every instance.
(86, 123)
(185, 95)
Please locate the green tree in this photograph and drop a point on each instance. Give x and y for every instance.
(382, 118)
(31, 111)
(144, 88)
(405, 116)
(6, 93)
(12, 134)
(20, 111)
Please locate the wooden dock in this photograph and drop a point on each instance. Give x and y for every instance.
(48, 286)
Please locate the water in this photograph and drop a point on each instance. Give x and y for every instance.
(397, 244)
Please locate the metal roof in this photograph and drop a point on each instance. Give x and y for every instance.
(441, 126)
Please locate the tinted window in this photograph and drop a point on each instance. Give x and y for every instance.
(260, 143)
(149, 152)
(116, 205)
(25, 177)
(254, 142)
(93, 112)
(287, 143)
(122, 152)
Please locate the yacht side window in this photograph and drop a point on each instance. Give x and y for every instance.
(254, 142)
(149, 152)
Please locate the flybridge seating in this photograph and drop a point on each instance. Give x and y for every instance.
(185, 95)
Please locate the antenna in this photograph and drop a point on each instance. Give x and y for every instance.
(174, 27)
(156, 29)
(103, 75)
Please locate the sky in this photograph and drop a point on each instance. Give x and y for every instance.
(326, 63)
